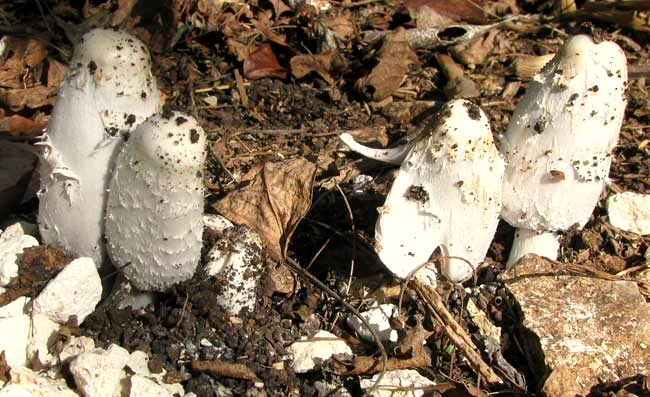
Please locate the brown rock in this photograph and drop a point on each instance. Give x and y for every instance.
(579, 329)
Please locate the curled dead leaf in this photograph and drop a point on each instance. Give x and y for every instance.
(274, 203)
(323, 64)
(263, 63)
(395, 59)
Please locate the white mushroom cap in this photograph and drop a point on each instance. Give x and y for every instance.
(120, 66)
(154, 222)
(447, 195)
(558, 143)
(108, 90)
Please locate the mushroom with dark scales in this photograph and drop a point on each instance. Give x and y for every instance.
(558, 144)
(107, 92)
(154, 212)
(447, 194)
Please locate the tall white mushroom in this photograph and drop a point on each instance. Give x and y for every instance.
(107, 92)
(447, 194)
(154, 213)
(559, 141)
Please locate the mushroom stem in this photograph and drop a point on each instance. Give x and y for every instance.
(391, 156)
(529, 241)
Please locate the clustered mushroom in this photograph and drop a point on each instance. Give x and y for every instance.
(451, 189)
(447, 194)
(557, 151)
(107, 92)
(558, 144)
(154, 213)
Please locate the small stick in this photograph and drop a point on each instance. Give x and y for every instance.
(454, 331)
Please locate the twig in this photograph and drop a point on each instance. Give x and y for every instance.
(454, 331)
(354, 241)
(295, 266)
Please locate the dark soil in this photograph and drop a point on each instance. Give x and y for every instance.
(284, 117)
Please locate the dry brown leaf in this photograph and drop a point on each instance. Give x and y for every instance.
(106, 14)
(35, 53)
(33, 97)
(323, 64)
(279, 7)
(55, 72)
(342, 25)
(19, 126)
(437, 13)
(225, 368)
(274, 203)
(263, 63)
(19, 69)
(395, 58)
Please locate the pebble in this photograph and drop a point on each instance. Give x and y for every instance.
(12, 243)
(630, 212)
(310, 353)
(75, 291)
(413, 384)
(379, 320)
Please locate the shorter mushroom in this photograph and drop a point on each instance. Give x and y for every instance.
(154, 215)
(558, 144)
(447, 194)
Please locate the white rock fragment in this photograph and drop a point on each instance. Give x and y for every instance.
(75, 346)
(559, 140)
(310, 353)
(25, 337)
(447, 194)
(75, 291)
(236, 261)
(379, 320)
(142, 386)
(139, 363)
(27, 383)
(154, 220)
(399, 383)
(12, 243)
(108, 90)
(630, 211)
(98, 373)
(17, 307)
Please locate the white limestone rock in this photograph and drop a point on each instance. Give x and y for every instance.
(17, 307)
(379, 319)
(398, 383)
(98, 373)
(27, 383)
(143, 386)
(12, 243)
(24, 337)
(630, 211)
(75, 346)
(310, 353)
(75, 291)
